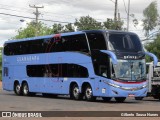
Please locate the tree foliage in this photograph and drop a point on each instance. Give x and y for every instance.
(83, 23)
(111, 24)
(154, 46)
(30, 30)
(69, 28)
(87, 23)
(150, 17)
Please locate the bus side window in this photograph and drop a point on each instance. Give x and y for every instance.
(5, 73)
(103, 70)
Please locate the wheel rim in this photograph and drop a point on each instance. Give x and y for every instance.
(25, 89)
(76, 92)
(17, 88)
(88, 92)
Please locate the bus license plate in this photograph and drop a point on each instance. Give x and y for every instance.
(131, 95)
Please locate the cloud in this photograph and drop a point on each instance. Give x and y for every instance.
(6, 35)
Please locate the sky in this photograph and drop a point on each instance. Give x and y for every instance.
(66, 11)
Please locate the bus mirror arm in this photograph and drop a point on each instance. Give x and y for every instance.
(155, 59)
(112, 55)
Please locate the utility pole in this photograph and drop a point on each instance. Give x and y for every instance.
(37, 13)
(128, 14)
(115, 11)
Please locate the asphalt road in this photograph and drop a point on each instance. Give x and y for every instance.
(11, 102)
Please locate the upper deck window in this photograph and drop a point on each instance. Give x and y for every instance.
(96, 41)
(124, 42)
(65, 43)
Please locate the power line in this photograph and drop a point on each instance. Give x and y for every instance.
(37, 13)
(33, 18)
(20, 8)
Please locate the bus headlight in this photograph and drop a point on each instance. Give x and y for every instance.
(144, 86)
(113, 85)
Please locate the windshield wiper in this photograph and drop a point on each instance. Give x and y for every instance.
(141, 78)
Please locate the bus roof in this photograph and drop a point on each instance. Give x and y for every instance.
(66, 34)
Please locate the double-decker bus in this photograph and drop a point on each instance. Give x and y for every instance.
(83, 64)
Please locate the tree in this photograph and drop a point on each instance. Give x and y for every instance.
(84, 23)
(150, 17)
(69, 28)
(154, 46)
(56, 28)
(111, 24)
(31, 29)
(87, 23)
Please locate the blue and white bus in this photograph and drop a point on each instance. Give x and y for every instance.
(83, 64)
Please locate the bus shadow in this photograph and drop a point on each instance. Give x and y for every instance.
(152, 100)
(67, 97)
(98, 100)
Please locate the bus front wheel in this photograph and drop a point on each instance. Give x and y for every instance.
(17, 89)
(25, 89)
(89, 94)
(120, 99)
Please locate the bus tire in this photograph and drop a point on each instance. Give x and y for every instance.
(106, 99)
(17, 89)
(120, 99)
(76, 95)
(25, 89)
(89, 93)
(138, 98)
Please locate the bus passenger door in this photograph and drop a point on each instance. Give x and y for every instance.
(52, 79)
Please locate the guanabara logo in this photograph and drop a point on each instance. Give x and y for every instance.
(27, 58)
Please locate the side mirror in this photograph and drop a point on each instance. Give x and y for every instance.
(112, 55)
(155, 59)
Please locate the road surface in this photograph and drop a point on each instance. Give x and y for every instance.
(10, 102)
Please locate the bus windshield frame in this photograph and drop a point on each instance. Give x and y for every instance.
(124, 42)
(130, 70)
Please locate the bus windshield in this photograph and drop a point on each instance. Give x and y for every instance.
(124, 42)
(129, 70)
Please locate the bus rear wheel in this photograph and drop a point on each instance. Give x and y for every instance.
(89, 94)
(25, 89)
(75, 92)
(17, 89)
(120, 99)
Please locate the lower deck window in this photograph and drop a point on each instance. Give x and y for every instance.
(57, 70)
